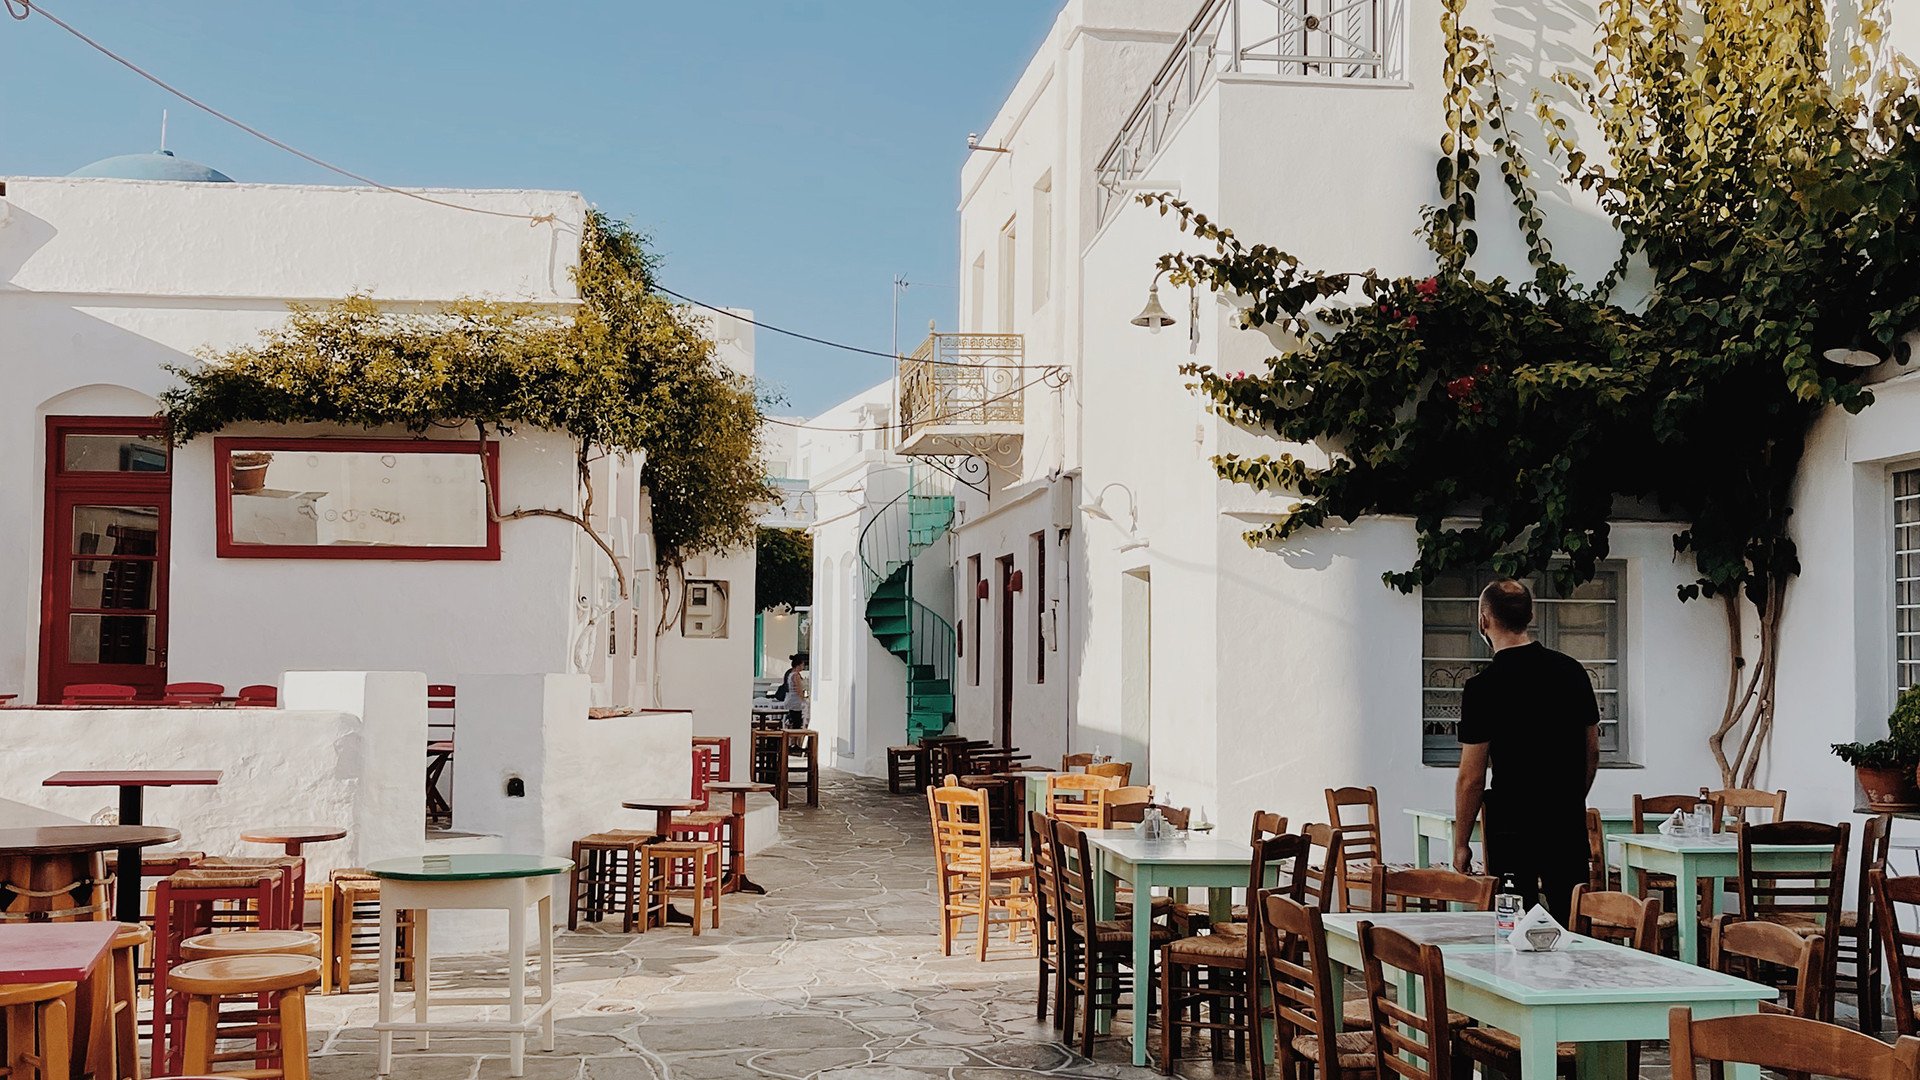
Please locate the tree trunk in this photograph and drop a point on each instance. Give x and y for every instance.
(1746, 723)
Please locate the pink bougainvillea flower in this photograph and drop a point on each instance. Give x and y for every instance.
(1428, 289)
(1461, 388)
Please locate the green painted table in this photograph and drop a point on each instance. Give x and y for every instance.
(510, 883)
(1204, 862)
(1693, 859)
(1590, 993)
(1431, 825)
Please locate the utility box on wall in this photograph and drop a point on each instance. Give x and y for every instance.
(703, 612)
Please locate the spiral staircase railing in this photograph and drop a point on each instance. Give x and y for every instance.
(923, 639)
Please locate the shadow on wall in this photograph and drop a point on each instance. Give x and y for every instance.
(21, 236)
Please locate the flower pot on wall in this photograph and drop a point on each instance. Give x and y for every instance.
(1889, 788)
(247, 471)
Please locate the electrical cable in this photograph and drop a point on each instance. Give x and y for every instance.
(804, 425)
(839, 345)
(28, 7)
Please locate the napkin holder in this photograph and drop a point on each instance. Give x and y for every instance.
(1677, 825)
(1154, 826)
(1537, 932)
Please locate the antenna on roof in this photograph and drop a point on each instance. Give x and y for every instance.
(163, 131)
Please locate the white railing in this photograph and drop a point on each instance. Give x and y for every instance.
(1335, 40)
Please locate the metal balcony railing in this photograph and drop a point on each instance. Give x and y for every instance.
(959, 388)
(1335, 40)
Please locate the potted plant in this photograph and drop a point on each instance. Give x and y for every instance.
(247, 470)
(1886, 772)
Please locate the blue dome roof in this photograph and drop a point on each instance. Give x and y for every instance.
(158, 165)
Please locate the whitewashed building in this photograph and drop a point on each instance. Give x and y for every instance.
(1105, 595)
(266, 549)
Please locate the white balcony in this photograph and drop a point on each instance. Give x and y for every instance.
(964, 395)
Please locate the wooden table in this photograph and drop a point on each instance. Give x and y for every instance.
(1716, 858)
(42, 864)
(1590, 993)
(1215, 864)
(52, 952)
(512, 883)
(133, 784)
(294, 838)
(1431, 825)
(737, 880)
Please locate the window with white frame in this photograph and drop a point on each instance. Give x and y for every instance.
(1586, 623)
(1906, 579)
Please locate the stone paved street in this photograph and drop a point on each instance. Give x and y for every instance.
(836, 972)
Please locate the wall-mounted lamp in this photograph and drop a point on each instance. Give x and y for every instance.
(982, 589)
(1153, 316)
(1096, 507)
(974, 143)
(1016, 581)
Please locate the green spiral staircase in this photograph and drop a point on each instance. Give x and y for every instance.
(920, 636)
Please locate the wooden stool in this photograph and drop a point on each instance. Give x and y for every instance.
(293, 880)
(899, 758)
(609, 875)
(251, 943)
(356, 930)
(114, 1050)
(720, 766)
(184, 906)
(322, 893)
(39, 1020)
(283, 980)
(704, 873)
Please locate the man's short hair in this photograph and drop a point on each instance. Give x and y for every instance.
(1509, 604)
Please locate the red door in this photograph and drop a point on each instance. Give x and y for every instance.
(104, 592)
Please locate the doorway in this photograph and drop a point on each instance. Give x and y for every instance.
(1136, 671)
(104, 563)
(1004, 636)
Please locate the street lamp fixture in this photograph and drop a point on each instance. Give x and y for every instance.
(1096, 508)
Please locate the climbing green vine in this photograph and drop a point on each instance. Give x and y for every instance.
(628, 372)
(1769, 214)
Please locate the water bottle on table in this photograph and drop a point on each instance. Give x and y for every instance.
(1506, 906)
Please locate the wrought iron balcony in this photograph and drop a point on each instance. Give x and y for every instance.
(964, 395)
(1332, 40)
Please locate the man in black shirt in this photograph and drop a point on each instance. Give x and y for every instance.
(1531, 717)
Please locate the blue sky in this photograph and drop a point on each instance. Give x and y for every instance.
(790, 157)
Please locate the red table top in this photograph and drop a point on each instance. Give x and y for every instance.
(132, 778)
(52, 952)
(663, 804)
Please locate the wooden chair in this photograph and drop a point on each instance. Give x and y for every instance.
(1120, 815)
(38, 1018)
(610, 877)
(906, 768)
(1048, 929)
(1078, 799)
(192, 693)
(1858, 940)
(356, 930)
(1119, 771)
(1621, 918)
(1601, 877)
(1098, 954)
(1126, 805)
(1219, 972)
(1190, 918)
(114, 1053)
(1361, 834)
(1748, 949)
(1901, 946)
(1660, 807)
(1070, 762)
(258, 696)
(1414, 1045)
(1738, 803)
(1432, 888)
(1293, 953)
(976, 879)
(1787, 1044)
(1323, 870)
(1804, 901)
(96, 694)
(280, 1052)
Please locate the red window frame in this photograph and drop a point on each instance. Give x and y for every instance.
(224, 448)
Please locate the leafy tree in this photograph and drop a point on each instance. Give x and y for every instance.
(783, 569)
(1769, 203)
(629, 372)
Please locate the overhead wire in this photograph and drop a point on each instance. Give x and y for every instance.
(22, 9)
(958, 413)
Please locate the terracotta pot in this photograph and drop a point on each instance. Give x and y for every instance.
(248, 472)
(1892, 788)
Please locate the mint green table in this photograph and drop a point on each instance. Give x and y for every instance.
(1431, 825)
(1693, 859)
(510, 883)
(1590, 993)
(1204, 862)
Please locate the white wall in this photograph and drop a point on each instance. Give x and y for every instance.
(345, 752)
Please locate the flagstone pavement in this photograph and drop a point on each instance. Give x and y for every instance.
(836, 973)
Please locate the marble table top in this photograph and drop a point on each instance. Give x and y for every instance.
(1717, 843)
(1125, 845)
(1423, 927)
